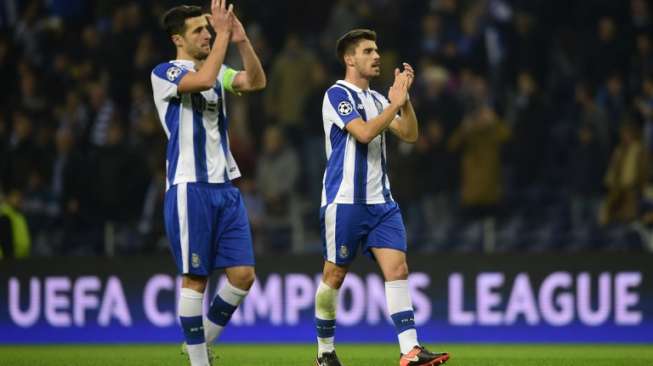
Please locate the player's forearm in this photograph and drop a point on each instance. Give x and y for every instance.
(378, 124)
(256, 78)
(408, 123)
(209, 71)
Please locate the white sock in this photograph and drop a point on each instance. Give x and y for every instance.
(197, 354)
(400, 308)
(326, 299)
(231, 295)
(190, 307)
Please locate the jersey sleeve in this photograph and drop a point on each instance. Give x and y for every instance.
(338, 107)
(165, 80)
(226, 77)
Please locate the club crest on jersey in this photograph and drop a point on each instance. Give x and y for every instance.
(173, 72)
(344, 252)
(345, 108)
(195, 260)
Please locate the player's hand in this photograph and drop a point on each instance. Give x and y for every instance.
(238, 34)
(410, 73)
(398, 93)
(222, 17)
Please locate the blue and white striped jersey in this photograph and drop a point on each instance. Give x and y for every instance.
(196, 126)
(355, 172)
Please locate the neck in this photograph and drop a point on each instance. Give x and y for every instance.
(357, 79)
(185, 56)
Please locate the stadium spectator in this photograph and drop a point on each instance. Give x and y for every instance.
(22, 152)
(470, 43)
(289, 87)
(526, 51)
(114, 162)
(312, 157)
(15, 239)
(640, 17)
(585, 172)
(625, 178)
(70, 191)
(4, 150)
(438, 175)
(644, 106)
(103, 114)
(8, 67)
(276, 179)
(606, 54)
(611, 97)
(592, 115)
(479, 140)
(641, 62)
(527, 117)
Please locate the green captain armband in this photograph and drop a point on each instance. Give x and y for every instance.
(228, 79)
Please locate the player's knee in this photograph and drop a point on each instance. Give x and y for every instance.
(398, 272)
(196, 283)
(248, 279)
(245, 279)
(334, 277)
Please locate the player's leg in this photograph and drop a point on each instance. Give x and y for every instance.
(326, 300)
(387, 243)
(189, 236)
(227, 300)
(234, 253)
(191, 299)
(395, 271)
(341, 233)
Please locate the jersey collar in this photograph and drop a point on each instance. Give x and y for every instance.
(185, 63)
(351, 86)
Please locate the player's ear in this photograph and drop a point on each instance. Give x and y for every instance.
(177, 39)
(349, 59)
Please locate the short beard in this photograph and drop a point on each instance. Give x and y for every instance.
(201, 56)
(371, 74)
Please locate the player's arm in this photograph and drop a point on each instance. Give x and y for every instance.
(406, 127)
(253, 77)
(365, 132)
(204, 79)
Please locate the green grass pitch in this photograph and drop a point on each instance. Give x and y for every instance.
(350, 355)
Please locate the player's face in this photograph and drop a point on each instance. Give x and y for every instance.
(367, 60)
(197, 38)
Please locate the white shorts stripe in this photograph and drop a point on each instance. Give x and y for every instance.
(182, 213)
(330, 231)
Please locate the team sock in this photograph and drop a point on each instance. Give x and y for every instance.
(400, 308)
(190, 314)
(325, 317)
(222, 308)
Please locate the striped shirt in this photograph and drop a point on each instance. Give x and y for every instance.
(195, 124)
(355, 172)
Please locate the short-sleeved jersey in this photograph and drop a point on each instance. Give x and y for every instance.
(355, 172)
(196, 126)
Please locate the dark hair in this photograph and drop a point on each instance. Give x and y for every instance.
(350, 40)
(174, 20)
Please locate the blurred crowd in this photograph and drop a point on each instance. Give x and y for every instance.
(536, 121)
